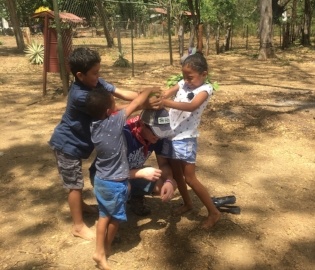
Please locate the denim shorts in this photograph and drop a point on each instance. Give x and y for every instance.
(111, 197)
(139, 186)
(70, 170)
(185, 149)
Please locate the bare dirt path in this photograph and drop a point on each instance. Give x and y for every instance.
(257, 142)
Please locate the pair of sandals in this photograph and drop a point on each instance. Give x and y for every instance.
(224, 204)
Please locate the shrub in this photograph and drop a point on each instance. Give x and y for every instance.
(35, 53)
(174, 79)
(121, 61)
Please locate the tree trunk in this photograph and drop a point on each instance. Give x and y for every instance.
(306, 31)
(217, 40)
(228, 38)
(181, 39)
(294, 21)
(109, 39)
(199, 38)
(207, 39)
(191, 43)
(11, 4)
(246, 34)
(194, 8)
(266, 49)
(286, 35)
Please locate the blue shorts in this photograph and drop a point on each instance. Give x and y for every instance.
(139, 186)
(70, 170)
(111, 197)
(185, 149)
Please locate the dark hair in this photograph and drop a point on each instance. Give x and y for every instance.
(82, 59)
(197, 62)
(97, 102)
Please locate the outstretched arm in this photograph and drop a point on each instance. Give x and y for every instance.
(171, 92)
(148, 173)
(125, 94)
(136, 103)
(153, 102)
(187, 106)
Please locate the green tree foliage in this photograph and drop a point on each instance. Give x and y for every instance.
(238, 12)
(3, 10)
(247, 13)
(26, 9)
(223, 12)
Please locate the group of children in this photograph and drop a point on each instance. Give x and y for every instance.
(92, 120)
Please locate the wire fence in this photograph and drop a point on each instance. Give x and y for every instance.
(141, 34)
(122, 26)
(118, 25)
(129, 22)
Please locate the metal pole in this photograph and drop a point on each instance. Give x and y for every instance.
(46, 54)
(61, 56)
(132, 47)
(169, 33)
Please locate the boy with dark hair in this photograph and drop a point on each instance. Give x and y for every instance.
(112, 168)
(71, 139)
(144, 134)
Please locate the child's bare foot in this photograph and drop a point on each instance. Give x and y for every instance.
(182, 209)
(101, 262)
(90, 209)
(83, 231)
(211, 220)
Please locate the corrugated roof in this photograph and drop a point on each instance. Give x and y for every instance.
(64, 16)
(163, 11)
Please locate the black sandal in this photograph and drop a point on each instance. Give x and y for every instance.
(219, 201)
(222, 204)
(231, 209)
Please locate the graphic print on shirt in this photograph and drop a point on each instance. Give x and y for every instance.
(136, 159)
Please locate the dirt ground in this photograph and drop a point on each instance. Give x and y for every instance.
(257, 142)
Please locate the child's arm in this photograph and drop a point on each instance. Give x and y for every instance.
(125, 94)
(148, 173)
(137, 102)
(171, 92)
(187, 106)
(153, 102)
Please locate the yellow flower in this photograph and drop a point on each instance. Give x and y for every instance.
(42, 9)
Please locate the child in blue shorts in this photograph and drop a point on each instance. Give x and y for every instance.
(191, 98)
(112, 167)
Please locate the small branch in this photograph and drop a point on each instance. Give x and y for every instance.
(30, 252)
(33, 102)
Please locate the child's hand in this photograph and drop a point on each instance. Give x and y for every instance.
(150, 173)
(154, 101)
(164, 94)
(167, 192)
